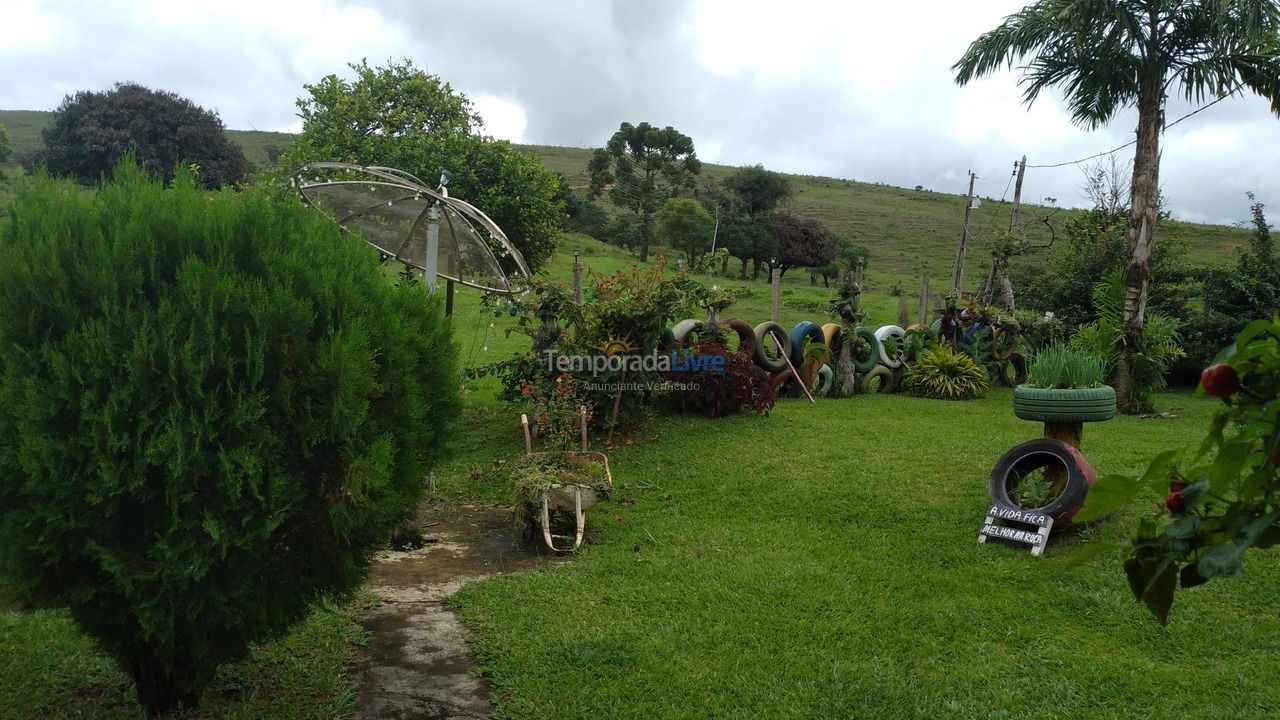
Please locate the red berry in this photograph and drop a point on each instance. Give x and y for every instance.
(1175, 503)
(1221, 380)
(1178, 486)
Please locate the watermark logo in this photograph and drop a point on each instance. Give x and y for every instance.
(619, 353)
(616, 346)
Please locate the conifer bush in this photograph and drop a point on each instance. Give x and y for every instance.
(213, 410)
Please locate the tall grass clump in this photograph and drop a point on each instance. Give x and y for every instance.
(1060, 366)
(213, 410)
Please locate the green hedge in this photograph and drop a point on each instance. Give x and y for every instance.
(213, 410)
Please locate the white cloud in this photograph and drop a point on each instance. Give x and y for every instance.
(503, 119)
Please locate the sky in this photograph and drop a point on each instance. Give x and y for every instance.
(856, 90)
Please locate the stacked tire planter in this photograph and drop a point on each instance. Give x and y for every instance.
(770, 345)
(1063, 412)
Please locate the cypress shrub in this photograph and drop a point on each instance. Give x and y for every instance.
(213, 410)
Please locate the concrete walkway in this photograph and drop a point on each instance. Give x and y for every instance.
(418, 667)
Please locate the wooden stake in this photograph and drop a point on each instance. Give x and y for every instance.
(528, 439)
(924, 299)
(582, 413)
(803, 386)
(617, 402)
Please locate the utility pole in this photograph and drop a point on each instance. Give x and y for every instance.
(957, 276)
(1017, 192)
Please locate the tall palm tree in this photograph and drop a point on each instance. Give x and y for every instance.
(1111, 54)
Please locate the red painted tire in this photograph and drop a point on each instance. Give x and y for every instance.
(1039, 453)
(746, 336)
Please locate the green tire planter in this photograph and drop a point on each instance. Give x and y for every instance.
(1064, 405)
(873, 355)
(867, 383)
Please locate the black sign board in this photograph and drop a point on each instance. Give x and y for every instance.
(999, 513)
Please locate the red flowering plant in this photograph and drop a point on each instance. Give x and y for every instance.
(1223, 498)
(623, 313)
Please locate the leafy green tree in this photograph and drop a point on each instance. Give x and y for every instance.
(403, 117)
(1113, 54)
(801, 243)
(686, 226)
(748, 240)
(758, 191)
(6, 147)
(641, 167)
(1234, 295)
(214, 409)
(91, 132)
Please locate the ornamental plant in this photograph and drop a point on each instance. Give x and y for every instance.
(946, 374)
(739, 387)
(214, 409)
(1222, 498)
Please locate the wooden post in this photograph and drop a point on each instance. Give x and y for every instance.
(957, 274)
(577, 279)
(1070, 433)
(582, 413)
(924, 299)
(902, 311)
(528, 439)
(777, 291)
(448, 298)
(857, 275)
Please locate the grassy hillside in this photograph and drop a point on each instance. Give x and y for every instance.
(909, 232)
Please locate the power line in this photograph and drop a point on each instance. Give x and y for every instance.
(1200, 109)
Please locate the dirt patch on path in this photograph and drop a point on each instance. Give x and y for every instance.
(418, 667)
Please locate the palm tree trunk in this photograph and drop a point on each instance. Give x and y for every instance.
(1142, 227)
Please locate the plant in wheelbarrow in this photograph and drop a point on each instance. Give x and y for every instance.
(553, 489)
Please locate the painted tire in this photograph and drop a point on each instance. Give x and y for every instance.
(826, 380)
(1039, 453)
(1064, 404)
(685, 328)
(746, 335)
(873, 357)
(761, 354)
(1019, 364)
(668, 339)
(881, 334)
(885, 376)
(1002, 355)
(831, 338)
(777, 378)
(803, 329)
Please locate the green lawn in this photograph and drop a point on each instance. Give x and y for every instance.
(822, 562)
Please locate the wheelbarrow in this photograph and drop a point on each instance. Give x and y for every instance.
(572, 497)
(568, 497)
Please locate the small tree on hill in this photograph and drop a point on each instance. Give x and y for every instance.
(801, 243)
(686, 226)
(91, 132)
(213, 410)
(758, 191)
(403, 117)
(641, 167)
